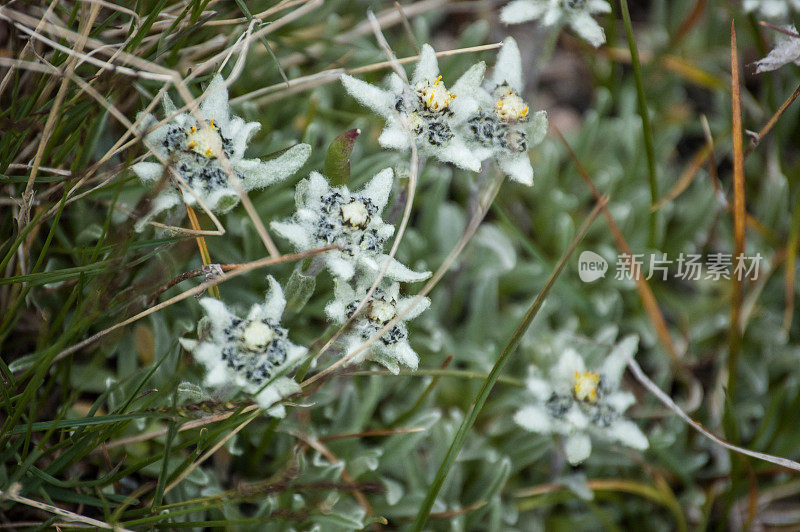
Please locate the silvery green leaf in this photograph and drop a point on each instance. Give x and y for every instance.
(299, 289)
(188, 392)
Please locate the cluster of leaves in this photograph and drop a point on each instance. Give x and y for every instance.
(121, 429)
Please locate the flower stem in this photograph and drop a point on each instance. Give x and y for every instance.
(205, 256)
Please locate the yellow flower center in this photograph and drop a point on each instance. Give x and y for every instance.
(205, 141)
(381, 311)
(510, 107)
(355, 214)
(434, 95)
(585, 387)
(257, 336)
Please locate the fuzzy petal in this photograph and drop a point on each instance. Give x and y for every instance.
(383, 359)
(598, 6)
(168, 105)
(241, 134)
(379, 188)
(310, 191)
(259, 174)
(576, 417)
(517, 167)
(405, 302)
(220, 200)
(339, 267)
(399, 272)
(466, 88)
(427, 68)
(508, 68)
(154, 140)
(786, 51)
(619, 401)
(164, 201)
(540, 388)
(148, 172)
(188, 344)
(534, 418)
(578, 447)
(563, 374)
(464, 107)
(295, 233)
(275, 302)
(377, 99)
(553, 15)
(335, 310)
(294, 353)
(457, 153)
(215, 103)
(280, 388)
(627, 433)
(469, 80)
(614, 365)
(520, 11)
(218, 314)
(394, 136)
(402, 352)
(536, 128)
(588, 28)
(216, 376)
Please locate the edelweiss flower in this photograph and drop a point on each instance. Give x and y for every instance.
(193, 150)
(424, 111)
(771, 9)
(250, 353)
(502, 125)
(391, 349)
(577, 403)
(351, 220)
(787, 50)
(577, 14)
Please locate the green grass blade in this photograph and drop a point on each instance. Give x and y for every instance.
(494, 374)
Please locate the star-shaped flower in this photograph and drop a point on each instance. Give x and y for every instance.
(423, 111)
(771, 9)
(392, 349)
(787, 50)
(577, 14)
(351, 220)
(252, 354)
(502, 125)
(194, 149)
(581, 404)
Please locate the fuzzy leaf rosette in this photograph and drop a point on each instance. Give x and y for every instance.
(349, 219)
(193, 150)
(251, 354)
(580, 405)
